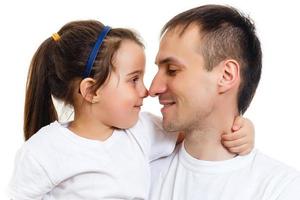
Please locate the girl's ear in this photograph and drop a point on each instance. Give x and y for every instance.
(85, 89)
(230, 75)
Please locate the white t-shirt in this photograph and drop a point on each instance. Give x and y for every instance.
(57, 164)
(251, 177)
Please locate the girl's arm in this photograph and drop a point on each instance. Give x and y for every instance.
(29, 180)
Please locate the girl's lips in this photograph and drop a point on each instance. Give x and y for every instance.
(138, 106)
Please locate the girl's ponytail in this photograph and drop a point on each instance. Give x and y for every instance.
(39, 108)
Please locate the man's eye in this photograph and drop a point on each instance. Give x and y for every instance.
(171, 72)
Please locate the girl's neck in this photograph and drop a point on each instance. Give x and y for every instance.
(90, 129)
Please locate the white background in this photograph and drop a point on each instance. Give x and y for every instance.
(274, 110)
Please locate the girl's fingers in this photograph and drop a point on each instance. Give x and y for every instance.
(234, 143)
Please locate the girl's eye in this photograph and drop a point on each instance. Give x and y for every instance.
(135, 79)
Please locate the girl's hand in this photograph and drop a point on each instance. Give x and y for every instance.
(241, 140)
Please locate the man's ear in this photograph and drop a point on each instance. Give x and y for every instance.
(86, 90)
(230, 75)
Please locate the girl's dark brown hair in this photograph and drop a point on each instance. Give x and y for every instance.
(56, 65)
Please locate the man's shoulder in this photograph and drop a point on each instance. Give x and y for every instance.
(275, 175)
(291, 191)
(271, 165)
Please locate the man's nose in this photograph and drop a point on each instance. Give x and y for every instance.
(158, 86)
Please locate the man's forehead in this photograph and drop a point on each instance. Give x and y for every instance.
(173, 44)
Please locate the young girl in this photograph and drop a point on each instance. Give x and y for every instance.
(105, 152)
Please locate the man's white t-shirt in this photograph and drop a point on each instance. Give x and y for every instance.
(251, 177)
(57, 164)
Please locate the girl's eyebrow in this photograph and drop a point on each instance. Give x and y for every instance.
(136, 72)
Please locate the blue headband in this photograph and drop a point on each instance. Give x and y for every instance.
(94, 52)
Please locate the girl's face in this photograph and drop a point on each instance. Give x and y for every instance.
(121, 97)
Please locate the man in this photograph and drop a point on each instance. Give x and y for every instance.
(209, 64)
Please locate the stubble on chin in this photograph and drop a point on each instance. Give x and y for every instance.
(171, 126)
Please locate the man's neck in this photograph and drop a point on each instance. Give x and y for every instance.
(206, 145)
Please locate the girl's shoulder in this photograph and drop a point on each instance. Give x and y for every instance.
(47, 138)
(45, 134)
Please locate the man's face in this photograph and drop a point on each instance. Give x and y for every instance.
(185, 88)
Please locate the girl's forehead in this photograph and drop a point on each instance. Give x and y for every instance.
(130, 57)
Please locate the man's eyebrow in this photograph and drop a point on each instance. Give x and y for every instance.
(136, 72)
(169, 60)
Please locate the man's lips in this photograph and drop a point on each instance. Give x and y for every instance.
(167, 102)
(166, 105)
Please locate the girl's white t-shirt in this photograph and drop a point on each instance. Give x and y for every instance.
(57, 164)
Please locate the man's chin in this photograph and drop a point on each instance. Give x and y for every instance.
(169, 126)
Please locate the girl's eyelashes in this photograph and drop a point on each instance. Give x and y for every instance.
(135, 79)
